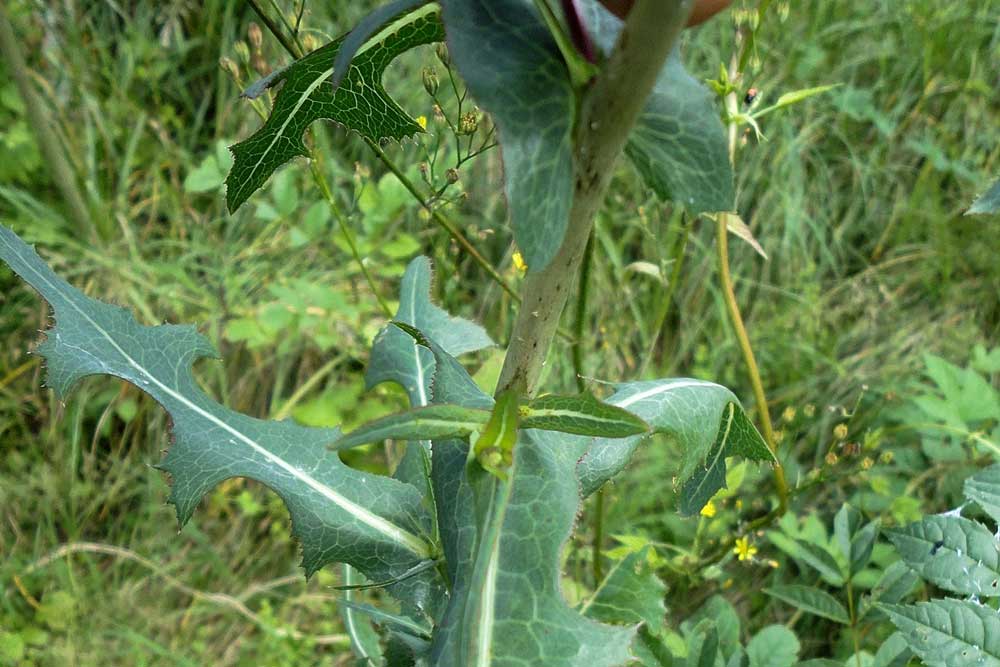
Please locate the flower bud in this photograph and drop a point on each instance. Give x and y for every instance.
(242, 52)
(442, 54)
(255, 36)
(451, 175)
(230, 67)
(469, 123)
(310, 42)
(840, 431)
(431, 81)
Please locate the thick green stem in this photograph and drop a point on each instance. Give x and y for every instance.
(48, 141)
(607, 114)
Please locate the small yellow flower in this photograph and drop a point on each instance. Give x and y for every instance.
(422, 122)
(868, 463)
(789, 414)
(709, 510)
(840, 431)
(519, 263)
(744, 550)
(739, 504)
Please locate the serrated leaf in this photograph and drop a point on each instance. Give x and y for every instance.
(988, 202)
(581, 414)
(984, 488)
(371, 522)
(952, 552)
(431, 422)
(950, 633)
(811, 600)
(862, 545)
(774, 646)
(513, 68)
(697, 414)
(678, 144)
(365, 29)
(307, 95)
(630, 593)
(820, 559)
(896, 583)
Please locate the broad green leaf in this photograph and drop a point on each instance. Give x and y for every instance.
(430, 422)
(513, 68)
(811, 600)
(952, 552)
(703, 645)
(862, 545)
(704, 419)
(774, 646)
(371, 522)
(581, 414)
(727, 623)
(820, 559)
(307, 95)
(630, 593)
(507, 607)
(894, 652)
(845, 524)
(983, 488)
(988, 202)
(950, 633)
(678, 144)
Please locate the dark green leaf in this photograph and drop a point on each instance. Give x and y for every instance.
(630, 593)
(513, 68)
(820, 559)
(365, 30)
(896, 583)
(678, 144)
(581, 414)
(431, 422)
(727, 623)
(811, 600)
(703, 645)
(952, 552)
(374, 523)
(364, 640)
(845, 524)
(862, 545)
(307, 95)
(950, 633)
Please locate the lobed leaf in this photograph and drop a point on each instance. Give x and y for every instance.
(430, 422)
(372, 522)
(513, 67)
(307, 94)
(952, 552)
(581, 414)
(950, 633)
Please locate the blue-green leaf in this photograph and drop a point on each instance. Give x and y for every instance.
(581, 414)
(430, 422)
(984, 489)
(950, 633)
(512, 65)
(988, 202)
(630, 593)
(374, 523)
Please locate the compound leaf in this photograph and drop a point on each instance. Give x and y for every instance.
(307, 94)
(512, 65)
(812, 600)
(950, 633)
(372, 522)
(984, 489)
(952, 552)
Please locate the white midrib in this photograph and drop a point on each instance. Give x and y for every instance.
(662, 389)
(573, 414)
(387, 528)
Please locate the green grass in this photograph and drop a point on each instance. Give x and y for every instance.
(857, 195)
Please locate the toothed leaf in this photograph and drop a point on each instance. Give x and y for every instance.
(984, 489)
(704, 419)
(512, 65)
(952, 552)
(307, 94)
(374, 523)
(950, 633)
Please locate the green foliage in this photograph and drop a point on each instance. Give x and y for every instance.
(306, 95)
(582, 415)
(988, 202)
(811, 600)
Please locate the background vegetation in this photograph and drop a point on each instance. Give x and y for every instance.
(873, 319)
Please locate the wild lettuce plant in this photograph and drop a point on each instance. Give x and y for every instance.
(468, 532)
